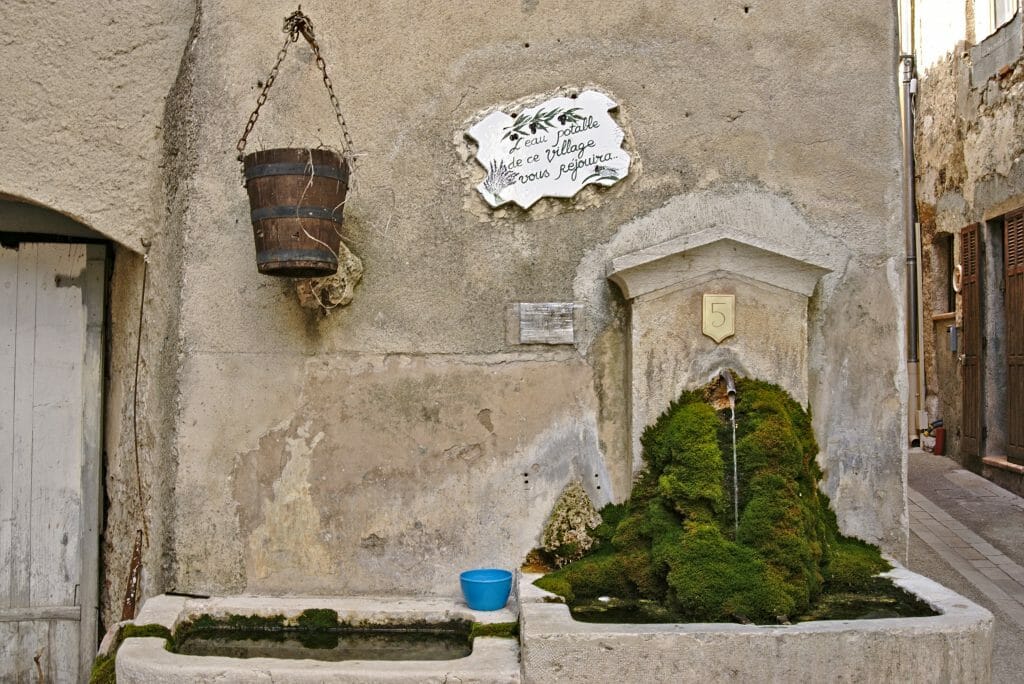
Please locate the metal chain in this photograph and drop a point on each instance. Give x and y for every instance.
(296, 24)
(262, 98)
(347, 146)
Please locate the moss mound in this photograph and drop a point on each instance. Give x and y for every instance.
(676, 542)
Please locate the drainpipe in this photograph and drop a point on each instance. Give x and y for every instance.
(910, 229)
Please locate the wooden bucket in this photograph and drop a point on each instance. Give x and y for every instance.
(296, 196)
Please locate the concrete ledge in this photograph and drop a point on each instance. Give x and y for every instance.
(954, 646)
(993, 53)
(146, 660)
(1004, 473)
(170, 611)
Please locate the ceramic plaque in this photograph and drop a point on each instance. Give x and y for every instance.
(550, 150)
(719, 316)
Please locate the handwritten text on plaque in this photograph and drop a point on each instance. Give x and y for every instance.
(551, 150)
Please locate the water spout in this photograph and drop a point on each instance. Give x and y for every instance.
(730, 385)
(730, 388)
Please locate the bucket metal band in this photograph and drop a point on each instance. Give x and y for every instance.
(307, 170)
(321, 256)
(291, 211)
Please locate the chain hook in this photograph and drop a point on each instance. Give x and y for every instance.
(298, 23)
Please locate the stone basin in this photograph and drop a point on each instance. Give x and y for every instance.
(146, 660)
(954, 646)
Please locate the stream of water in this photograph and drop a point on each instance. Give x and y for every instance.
(735, 478)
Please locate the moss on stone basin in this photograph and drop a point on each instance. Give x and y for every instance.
(880, 599)
(675, 544)
(319, 634)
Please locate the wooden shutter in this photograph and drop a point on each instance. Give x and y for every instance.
(1013, 231)
(971, 406)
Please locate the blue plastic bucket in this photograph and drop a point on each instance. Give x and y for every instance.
(486, 588)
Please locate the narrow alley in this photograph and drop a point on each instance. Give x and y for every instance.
(968, 534)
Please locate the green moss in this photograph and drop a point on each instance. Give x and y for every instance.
(674, 541)
(104, 667)
(130, 631)
(557, 585)
(684, 459)
(713, 579)
(318, 628)
(505, 630)
(589, 577)
(200, 622)
(779, 524)
(314, 628)
(318, 619)
(256, 622)
(104, 670)
(854, 565)
(240, 623)
(611, 516)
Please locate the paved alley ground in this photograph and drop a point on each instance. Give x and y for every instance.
(968, 534)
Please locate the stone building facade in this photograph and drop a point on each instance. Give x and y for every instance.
(264, 447)
(970, 195)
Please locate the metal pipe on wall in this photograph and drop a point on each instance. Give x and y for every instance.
(910, 230)
(909, 208)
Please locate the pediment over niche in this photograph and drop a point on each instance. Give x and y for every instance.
(685, 259)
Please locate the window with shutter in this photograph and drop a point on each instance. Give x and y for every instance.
(971, 407)
(1013, 232)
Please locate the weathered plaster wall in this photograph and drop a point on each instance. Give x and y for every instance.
(144, 365)
(81, 117)
(383, 465)
(390, 444)
(84, 131)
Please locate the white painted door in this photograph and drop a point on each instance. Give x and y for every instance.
(51, 341)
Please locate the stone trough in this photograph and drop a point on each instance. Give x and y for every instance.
(147, 661)
(953, 646)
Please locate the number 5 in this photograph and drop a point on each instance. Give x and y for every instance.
(719, 316)
(718, 309)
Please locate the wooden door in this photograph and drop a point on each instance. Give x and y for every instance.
(1013, 232)
(51, 318)
(971, 406)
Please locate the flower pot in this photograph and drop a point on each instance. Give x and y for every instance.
(296, 197)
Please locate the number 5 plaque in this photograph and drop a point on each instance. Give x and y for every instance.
(719, 319)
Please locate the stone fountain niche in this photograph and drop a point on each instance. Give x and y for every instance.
(665, 285)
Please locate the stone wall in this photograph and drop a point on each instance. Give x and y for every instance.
(387, 445)
(968, 146)
(968, 165)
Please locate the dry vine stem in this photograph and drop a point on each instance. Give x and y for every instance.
(309, 184)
